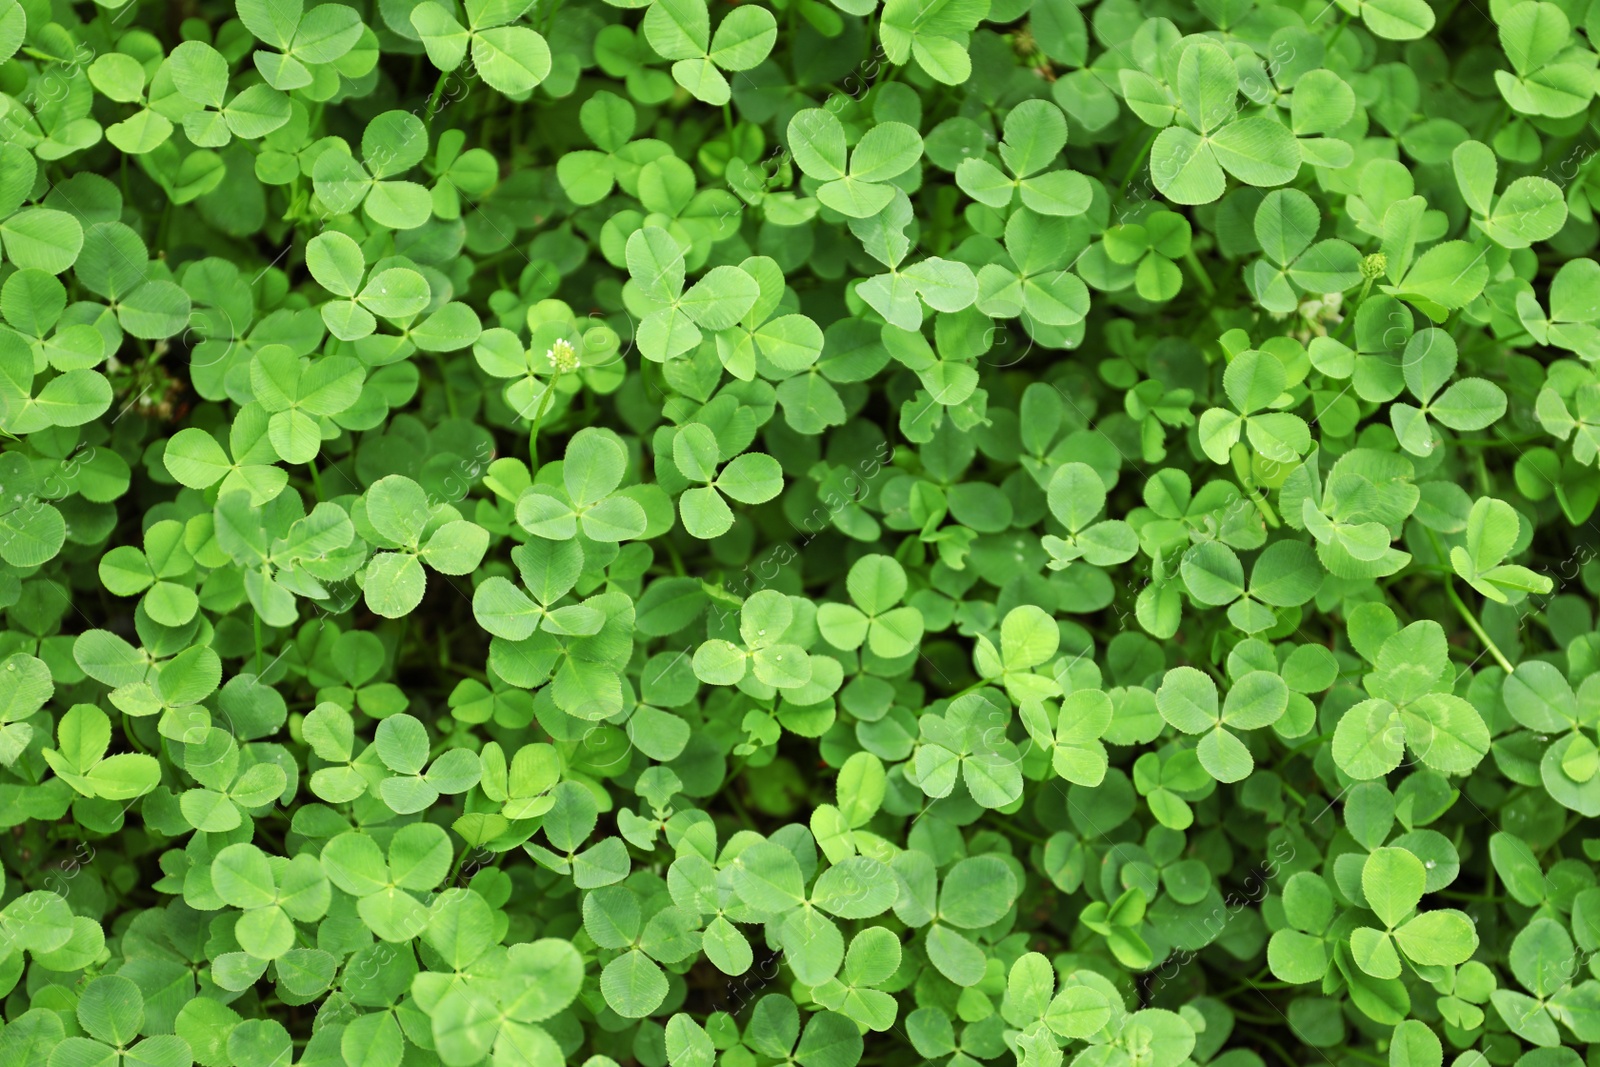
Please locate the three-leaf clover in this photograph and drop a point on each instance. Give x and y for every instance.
(401, 743)
(1188, 161)
(1393, 881)
(1356, 514)
(128, 571)
(82, 737)
(1468, 404)
(967, 743)
(1031, 278)
(198, 74)
(672, 318)
(1188, 701)
(1119, 922)
(392, 144)
(1029, 638)
(1255, 382)
(1285, 575)
(765, 622)
(1544, 80)
(1143, 252)
(512, 59)
(299, 393)
(303, 39)
(1410, 705)
(234, 782)
(1073, 741)
(271, 898)
(876, 584)
(1286, 226)
(1574, 309)
(935, 33)
(337, 263)
(1035, 132)
(419, 857)
(1541, 700)
(750, 478)
(194, 458)
(680, 31)
(396, 515)
(587, 497)
(1530, 209)
(1493, 530)
(549, 570)
(1076, 495)
(871, 960)
(119, 77)
(111, 1011)
(859, 188)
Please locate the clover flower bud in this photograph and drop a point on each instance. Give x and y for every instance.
(1373, 266)
(563, 356)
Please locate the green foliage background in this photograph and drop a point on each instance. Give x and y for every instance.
(799, 532)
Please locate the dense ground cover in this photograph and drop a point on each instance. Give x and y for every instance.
(957, 531)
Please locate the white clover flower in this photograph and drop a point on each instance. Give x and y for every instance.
(563, 356)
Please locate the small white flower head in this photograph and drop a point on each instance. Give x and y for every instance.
(563, 356)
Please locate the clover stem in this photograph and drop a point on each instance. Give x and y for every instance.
(449, 397)
(1241, 470)
(1339, 29)
(1007, 826)
(1199, 272)
(133, 738)
(1133, 168)
(162, 227)
(974, 687)
(538, 417)
(734, 801)
(433, 101)
(1476, 627)
(316, 480)
(1350, 318)
(255, 620)
(1498, 120)
(1267, 514)
(455, 868)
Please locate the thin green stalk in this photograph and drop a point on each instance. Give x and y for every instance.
(433, 101)
(455, 868)
(1350, 318)
(533, 432)
(1241, 470)
(444, 378)
(1339, 29)
(1133, 168)
(1476, 627)
(162, 228)
(1199, 272)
